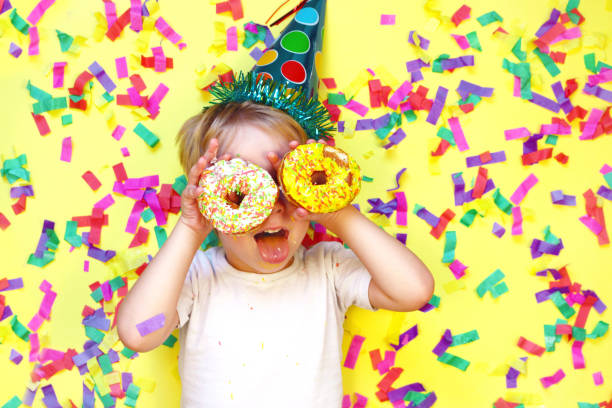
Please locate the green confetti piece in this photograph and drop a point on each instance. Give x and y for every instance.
(367, 179)
(13, 169)
(550, 237)
(601, 64)
(47, 105)
(490, 281)
(417, 208)
(551, 140)
(566, 310)
(71, 235)
(105, 364)
(502, 203)
(179, 184)
(518, 53)
(14, 402)
(465, 338)
(116, 283)
(336, 99)
(127, 352)
(19, 23)
(170, 341)
(251, 38)
(551, 337)
(47, 257)
(65, 40)
(523, 71)
(608, 178)
(600, 329)
(147, 215)
(394, 120)
(415, 397)
(211, 240)
(53, 241)
(449, 247)
(499, 289)
(97, 295)
(437, 64)
(435, 301)
(108, 97)
(94, 334)
(578, 333)
(410, 115)
(489, 18)
(161, 235)
(131, 395)
(473, 99)
(447, 135)
(473, 40)
(146, 135)
(37, 93)
(19, 329)
(572, 4)
(468, 217)
(67, 119)
(587, 405)
(76, 98)
(589, 62)
(548, 63)
(454, 361)
(107, 400)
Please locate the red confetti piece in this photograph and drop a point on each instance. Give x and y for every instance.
(530, 347)
(460, 15)
(330, 83)
(140, 238)
(20, 205)
(115, 30)
(445, 218)
(41, 124)
(4, 222)
(596, 212)
(481, 183)
(558, 57)
(91, 180)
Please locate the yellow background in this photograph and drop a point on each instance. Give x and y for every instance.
(354, 41)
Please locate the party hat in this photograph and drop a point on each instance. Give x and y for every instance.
(285, 75)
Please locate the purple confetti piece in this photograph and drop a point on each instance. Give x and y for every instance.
(256, 53)
(88, 397)
(87, 354)
(17, 192)
(496, 157)
(126, 380)
(416, 65)
(381, 121)
(6, 6)
(438, 104)
(400, 393)
(150, 325)
(48, 225)
(498, 230)
(49, 399)
(598, 92)
(102, 77)
(559, 198)
(459, 62)
(97, 320)
(416, 76)
(445, 341)
(13, 284)
(401, 237)
(511, 377)
(552, 20)
(364, 124)
(15, 357)
(605, 192)
(397, 178)
(406, 337)
(269, 40)
(99, 254)
(428, 217)
(538, 248)
(544, 102)
(341, 126)
(380, 207)
(562, 100)
(428, 401)
(466, 88)
(15, 50)
(113, 356)
(7, 313)
(395, 138)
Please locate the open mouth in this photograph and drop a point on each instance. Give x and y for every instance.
(273, 244)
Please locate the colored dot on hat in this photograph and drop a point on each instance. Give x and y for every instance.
(267, 58)
(296, 42)
(264, 75)
(293, 71)
(307, 16)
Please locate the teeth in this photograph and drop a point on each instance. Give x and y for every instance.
(272, 231)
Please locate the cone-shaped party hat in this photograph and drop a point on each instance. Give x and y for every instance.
(285, 75)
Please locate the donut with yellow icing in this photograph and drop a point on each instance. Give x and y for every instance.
(238, 196)
(319, 178)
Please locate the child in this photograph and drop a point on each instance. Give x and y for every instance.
(259, 330)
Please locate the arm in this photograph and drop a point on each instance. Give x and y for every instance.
(400, 280)
(158, 288)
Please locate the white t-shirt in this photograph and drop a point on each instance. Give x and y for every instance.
(267, 340)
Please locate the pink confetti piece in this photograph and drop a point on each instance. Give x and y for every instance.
(141, 182)
(399, 95)
(402, 209)
(553, 379)
(604, 76)
(570, 34)
(47, 304)
(357, 107)
(458, 134)
(598, 378)
(35, 322)
(153, 202)
(517, 221)
(34, 347)
(39, 10)
(518, 133)
(387, 19)
(110, 10)
(605, 169)
(523, 189)
(155, 99)
(591, 224)
(86, 266)
(232, 38)
(591, 124)
(150, 325)
(118, 132)
(457, 268)
(577, 357)
(34, 41)
(66, 149)
(346, 401)
(461, 41)
(164, 29)
(58, 74)
(159, 59)
(121, 66)
(135, 15)
(125, 152)
(353, 351)
(134, 216)
(135, 98)
(105, 202)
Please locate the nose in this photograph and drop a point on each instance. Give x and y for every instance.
(281, 204)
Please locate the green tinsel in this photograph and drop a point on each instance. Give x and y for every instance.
(309, 113)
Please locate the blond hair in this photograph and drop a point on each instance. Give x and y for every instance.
(221, 121)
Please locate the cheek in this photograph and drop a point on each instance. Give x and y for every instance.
(235, 241)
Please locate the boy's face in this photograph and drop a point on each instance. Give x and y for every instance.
(254, 251)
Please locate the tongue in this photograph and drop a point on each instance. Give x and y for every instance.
(273, 249)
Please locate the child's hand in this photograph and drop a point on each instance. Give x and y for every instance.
(190, 212)
(301, 213)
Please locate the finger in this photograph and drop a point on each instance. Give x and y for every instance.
(293, 144)
(274, 160)
(189, 192)
(226, 156)
(309, 141)
(196, 170)
(301, 213)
